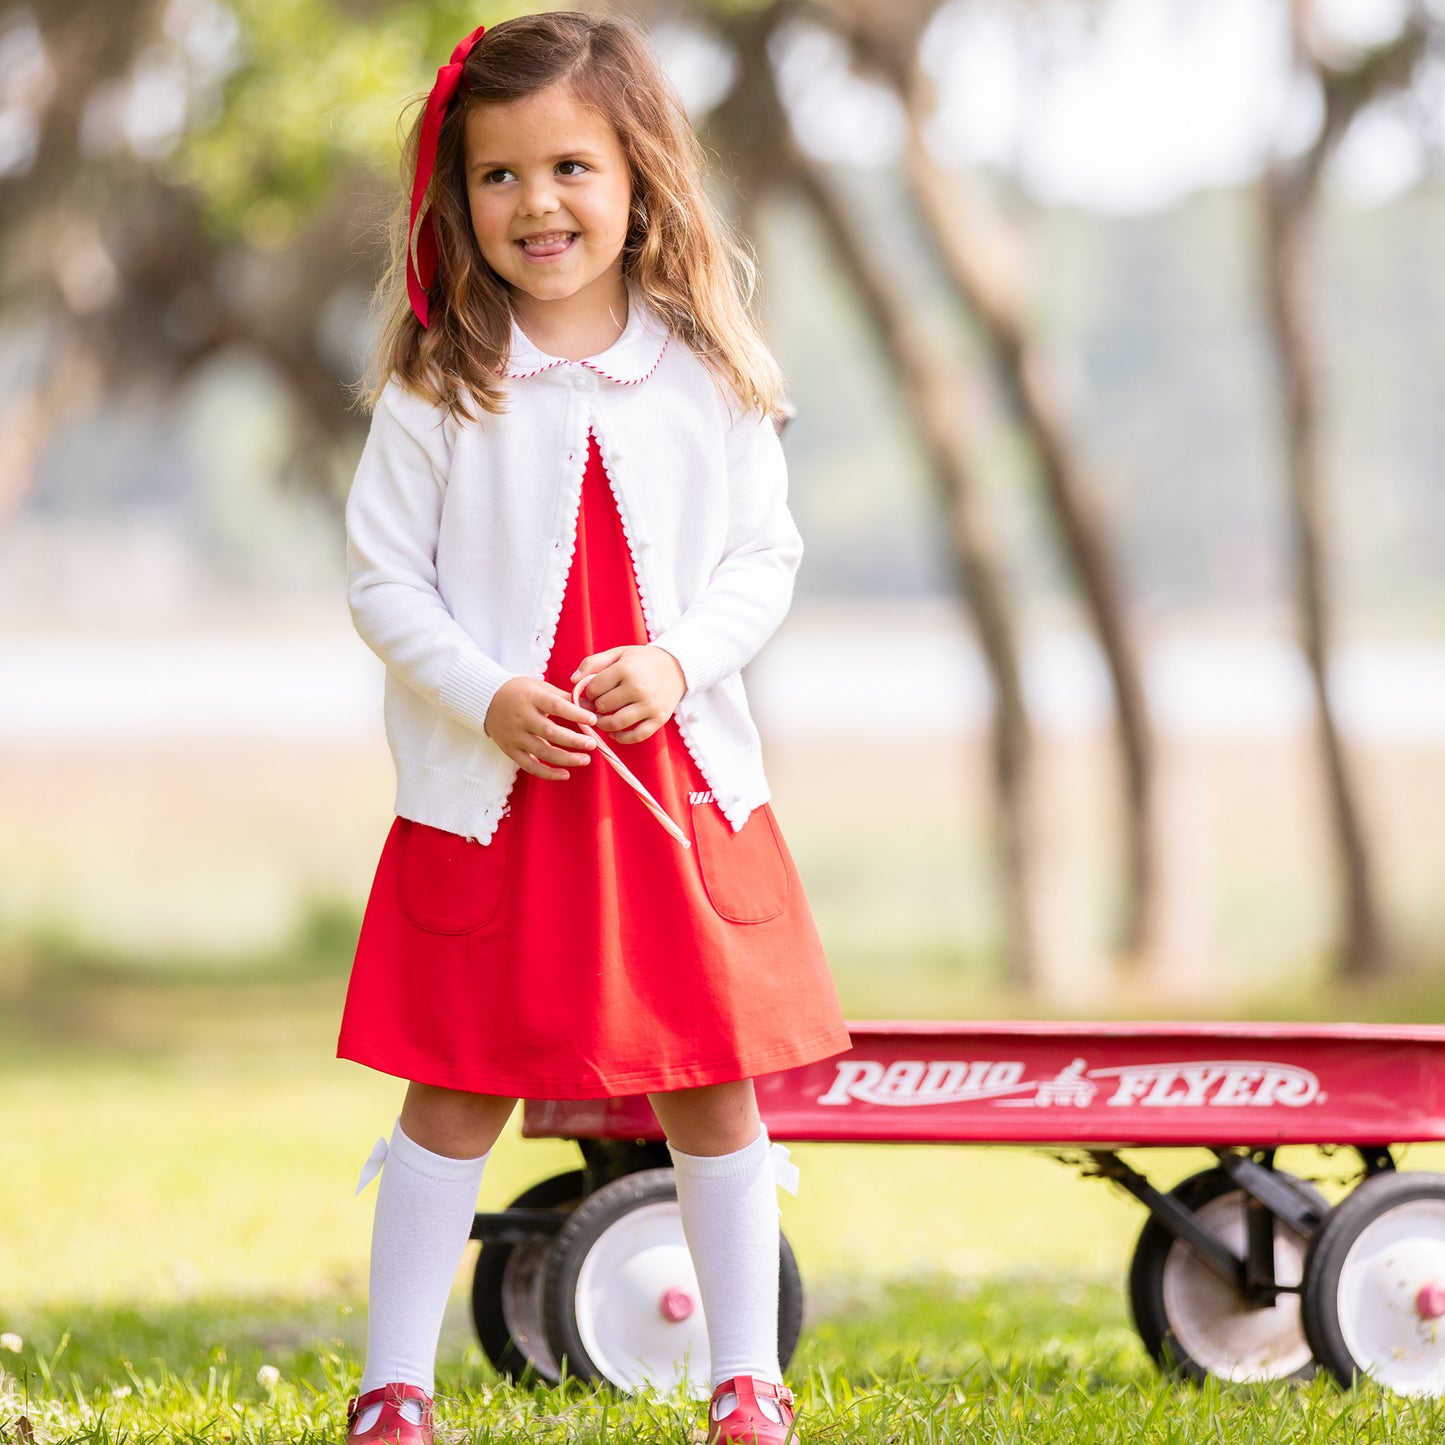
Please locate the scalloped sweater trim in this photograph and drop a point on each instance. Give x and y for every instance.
(460, 538)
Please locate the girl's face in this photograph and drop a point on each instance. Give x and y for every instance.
(550, 193)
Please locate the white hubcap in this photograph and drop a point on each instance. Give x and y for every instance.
(638, 1310)
(1213, 1322)
(1391, 1284)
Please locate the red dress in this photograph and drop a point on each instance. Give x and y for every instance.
(583, 953)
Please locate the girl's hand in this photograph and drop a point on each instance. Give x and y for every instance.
(522, 722)
(636, 690)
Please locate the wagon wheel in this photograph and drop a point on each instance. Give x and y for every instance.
(507, 1288)
(620, 1299)
(1196, 1324)
(1374, 1293)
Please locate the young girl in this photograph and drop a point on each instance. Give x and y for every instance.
(568, 533)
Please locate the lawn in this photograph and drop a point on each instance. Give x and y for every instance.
(182, 1258)
(1003, 1360)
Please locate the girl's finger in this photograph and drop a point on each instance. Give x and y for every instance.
(545, 752)
(555, 703)
(562, 737)
(612, 690)
(539, 769)
(624, 718)
(570, 711)
(597, 661)
(638, 734)
(613, 701)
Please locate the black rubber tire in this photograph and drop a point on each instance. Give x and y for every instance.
(1329, 1252)
(589, 1221)
(1154, 1252)
(513, 1340)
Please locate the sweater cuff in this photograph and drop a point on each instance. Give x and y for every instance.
(702, 658)
(469, 687)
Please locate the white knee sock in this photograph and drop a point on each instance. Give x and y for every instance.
(424, 1210)
(729, 1205)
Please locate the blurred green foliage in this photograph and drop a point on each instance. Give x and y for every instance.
(318, 91)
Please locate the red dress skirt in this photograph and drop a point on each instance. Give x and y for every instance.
(583, 953)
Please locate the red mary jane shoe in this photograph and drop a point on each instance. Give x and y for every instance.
(745, 1422)
(391, 1425)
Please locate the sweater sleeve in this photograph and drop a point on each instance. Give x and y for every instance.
(393, 517)
(751, 587)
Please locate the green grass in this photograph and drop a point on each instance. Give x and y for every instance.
(1001, 1361)
(178, 1214)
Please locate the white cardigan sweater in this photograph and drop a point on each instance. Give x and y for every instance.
(460, 537)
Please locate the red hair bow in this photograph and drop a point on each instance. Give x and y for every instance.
(421, 240)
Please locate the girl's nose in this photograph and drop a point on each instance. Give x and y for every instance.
(538, 197)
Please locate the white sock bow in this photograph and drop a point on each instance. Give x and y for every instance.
(373, 1164)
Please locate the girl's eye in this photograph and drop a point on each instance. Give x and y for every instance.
(571, 168)
(494, 178)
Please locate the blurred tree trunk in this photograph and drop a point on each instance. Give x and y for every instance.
(1288, 223)
(957, 216)
(983, 262)
(752, 126)
(1290, 193)
(934, 405)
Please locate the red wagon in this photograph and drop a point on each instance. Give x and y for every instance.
(1243, 1271)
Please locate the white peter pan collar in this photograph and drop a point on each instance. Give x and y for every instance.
(631, 359)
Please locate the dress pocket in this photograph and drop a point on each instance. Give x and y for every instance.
(744, 873)
(451, 884)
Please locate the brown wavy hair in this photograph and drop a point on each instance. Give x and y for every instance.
(678, 255)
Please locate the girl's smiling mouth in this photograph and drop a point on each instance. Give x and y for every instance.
(546, 244)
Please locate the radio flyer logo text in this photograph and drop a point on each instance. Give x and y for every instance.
(1201, 1084)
